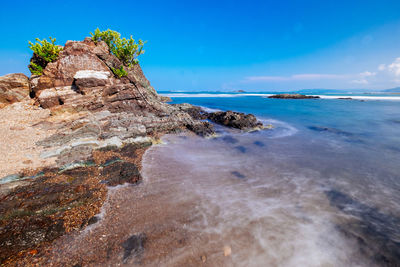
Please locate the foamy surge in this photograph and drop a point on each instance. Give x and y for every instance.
(247, 210)
(281, 129)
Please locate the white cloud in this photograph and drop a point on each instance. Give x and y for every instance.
(381, 67)
(317, 76)
(395, 67)
(367, 74)
(360, 81)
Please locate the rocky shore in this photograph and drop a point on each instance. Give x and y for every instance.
(72, 133)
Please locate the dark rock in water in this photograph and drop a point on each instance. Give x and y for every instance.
(235, 119)
(375, 232)
(259, 143)
(330, 130)
(93, 220)
(241, 149)
(238, 174)
(229, 139)
(121, 172)
(201, 128)
(395, 121)
(345, 98)
(293, 96)
(134, 246)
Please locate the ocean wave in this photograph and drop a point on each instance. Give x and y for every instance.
(281, 129)
(209, 110)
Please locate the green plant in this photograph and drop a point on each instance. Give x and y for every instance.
(35, 68)
(126, 50)
(44, 52)
(121, 72)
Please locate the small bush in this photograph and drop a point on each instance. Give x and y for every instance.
(44, 52)
(121, 72)
(126, 50)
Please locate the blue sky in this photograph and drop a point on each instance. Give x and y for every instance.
(227, 45)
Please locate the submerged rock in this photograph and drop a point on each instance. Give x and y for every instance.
(293, 96)
(375, 232)
(134, 246)
(238, 174)
(330, 130)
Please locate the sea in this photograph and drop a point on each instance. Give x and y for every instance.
(321, 188)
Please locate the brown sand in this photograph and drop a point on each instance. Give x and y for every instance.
(18, 138)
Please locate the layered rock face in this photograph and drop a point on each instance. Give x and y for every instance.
(13, 88)
(81, 80)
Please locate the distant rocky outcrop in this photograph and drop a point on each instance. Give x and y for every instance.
(13, 88)
(293, 96)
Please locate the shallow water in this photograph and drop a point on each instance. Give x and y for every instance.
(321, 189)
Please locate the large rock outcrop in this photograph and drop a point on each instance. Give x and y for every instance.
(81, 79)
(13, 88)
(100, 126)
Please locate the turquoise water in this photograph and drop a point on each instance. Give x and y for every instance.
(334, 170)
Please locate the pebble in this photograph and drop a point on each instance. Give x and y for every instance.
(227, 251)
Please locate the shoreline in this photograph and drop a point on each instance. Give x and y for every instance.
(151, 222)
(67, 196)
(69, 199)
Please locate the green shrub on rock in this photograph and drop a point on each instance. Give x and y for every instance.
(126, 50)
(121, 72)
(44, 52)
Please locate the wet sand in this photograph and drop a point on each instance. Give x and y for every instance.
(227, 202)
(184, 214)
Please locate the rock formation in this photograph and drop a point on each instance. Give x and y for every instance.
(293, 96)
(100, 127)
(236, 120)
(13, 88)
